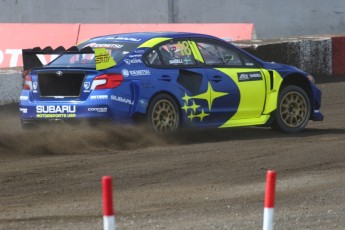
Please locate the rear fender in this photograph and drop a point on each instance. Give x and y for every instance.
(137, 106)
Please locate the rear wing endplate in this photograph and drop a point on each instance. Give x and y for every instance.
(103, 59)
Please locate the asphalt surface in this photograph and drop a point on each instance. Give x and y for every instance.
(206, 179)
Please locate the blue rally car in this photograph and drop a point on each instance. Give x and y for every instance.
(172, 80)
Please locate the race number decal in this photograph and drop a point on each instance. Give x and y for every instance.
(184, 48)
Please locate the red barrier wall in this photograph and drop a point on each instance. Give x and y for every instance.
(338, 57)
(17, 36)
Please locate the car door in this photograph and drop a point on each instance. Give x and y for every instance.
(236, 82)
(178, 71)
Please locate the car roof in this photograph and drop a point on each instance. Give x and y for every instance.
(144, 36)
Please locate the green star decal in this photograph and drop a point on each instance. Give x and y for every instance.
(186, 97)
(191, 116)
(210, 95)
(200, 115)
(193, 107)
(185, 107)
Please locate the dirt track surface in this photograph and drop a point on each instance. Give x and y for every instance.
(51, 178)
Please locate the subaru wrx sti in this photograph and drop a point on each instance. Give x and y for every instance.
(170, 80)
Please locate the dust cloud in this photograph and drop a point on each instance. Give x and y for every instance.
(58, 139)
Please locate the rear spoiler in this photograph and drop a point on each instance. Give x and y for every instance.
(103, 59)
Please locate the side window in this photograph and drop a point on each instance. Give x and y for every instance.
(177, 53)
(215, 54)
(248, 62)
(153, 58)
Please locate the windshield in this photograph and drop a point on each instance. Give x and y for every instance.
(118, 50)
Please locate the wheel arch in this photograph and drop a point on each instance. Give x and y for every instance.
(300, 81)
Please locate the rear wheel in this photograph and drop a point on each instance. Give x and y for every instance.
(163, 114)
(293, 110)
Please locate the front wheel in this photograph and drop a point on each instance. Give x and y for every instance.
(163, 114)
(293, 110)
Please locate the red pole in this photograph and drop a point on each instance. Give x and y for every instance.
(270, 188)
(108, 211)
(269, 200)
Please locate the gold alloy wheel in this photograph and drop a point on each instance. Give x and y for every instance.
(293, 109)
(164, 117)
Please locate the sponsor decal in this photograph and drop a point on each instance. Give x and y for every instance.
(55, 109)
(253, 76)
(121, 99)
(135, 56)
(23, 110)
(87, 85)
(134, 73)
(143, 103)
(128, 39)
(105, 45)
(98, 110)
(139, 51)
(99, 97)
(34, 87)
(102, 58)
(133, 61)
(176, 61)
(57, 115)
(141, 72)
(23, 98)
(187, 61)
(125, 73)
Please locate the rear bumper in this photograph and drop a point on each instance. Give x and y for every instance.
(59, 111)
(71, 111)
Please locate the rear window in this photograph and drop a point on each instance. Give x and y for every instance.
(118, 50)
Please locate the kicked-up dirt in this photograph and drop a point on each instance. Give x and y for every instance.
(50, 178)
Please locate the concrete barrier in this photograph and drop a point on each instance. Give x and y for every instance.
(10, 85)
(313, 55)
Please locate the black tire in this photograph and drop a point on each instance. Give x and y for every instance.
(163, 114)
(293, 110)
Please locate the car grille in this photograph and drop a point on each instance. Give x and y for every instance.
(60, 83)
